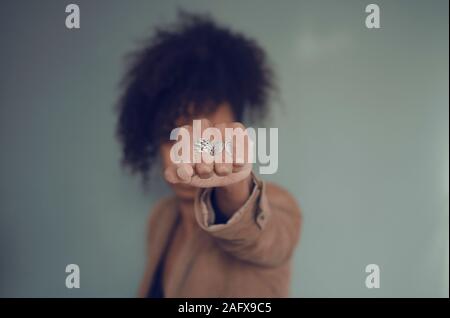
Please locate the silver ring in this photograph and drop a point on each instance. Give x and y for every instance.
(229, 146)
(203, 145)
(219, 146)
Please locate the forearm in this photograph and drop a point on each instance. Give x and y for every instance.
(258, 231)
(227, 200)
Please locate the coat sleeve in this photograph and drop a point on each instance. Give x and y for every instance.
(264, 231)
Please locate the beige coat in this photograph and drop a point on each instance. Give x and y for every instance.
(249, 256)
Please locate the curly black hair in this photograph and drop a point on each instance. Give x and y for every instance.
(187, 69)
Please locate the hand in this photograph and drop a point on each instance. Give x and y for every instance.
(229, 163)
(230, 176)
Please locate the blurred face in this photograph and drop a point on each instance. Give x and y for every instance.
(223, 114)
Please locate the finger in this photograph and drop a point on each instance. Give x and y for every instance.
(205, 168)
(171, 175)
(182, 171)
(179, 173)
(223, 169)
(240, 146)
(185, 172)
(188, 145)
(223, 161)
(204, 163)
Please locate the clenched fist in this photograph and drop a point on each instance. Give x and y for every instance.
(208, 155)
(213, 156)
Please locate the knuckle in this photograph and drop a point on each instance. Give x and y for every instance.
(203, 168)
(223, 168)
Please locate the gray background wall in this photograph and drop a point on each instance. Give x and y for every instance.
(363, 143)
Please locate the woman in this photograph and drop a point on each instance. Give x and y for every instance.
(229, 238)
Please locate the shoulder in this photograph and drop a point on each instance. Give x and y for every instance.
(161, 210)
(278, 196)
